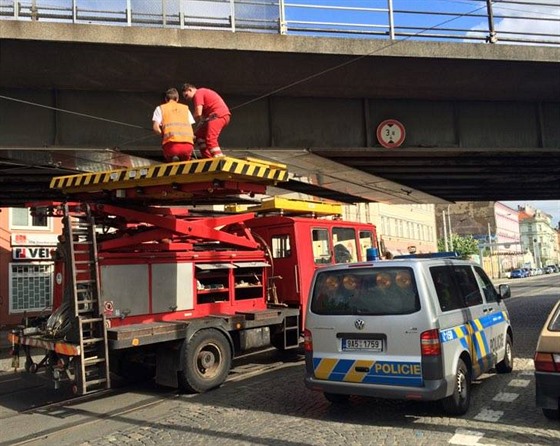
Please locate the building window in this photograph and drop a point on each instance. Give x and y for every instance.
(31, 286)
(21, 218)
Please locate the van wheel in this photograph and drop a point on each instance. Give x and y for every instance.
(551, 414)
(207, 361)
(458, 402)
(506, 364)
(336, 398)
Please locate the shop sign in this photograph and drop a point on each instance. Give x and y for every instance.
(34, 239)
(36, 253)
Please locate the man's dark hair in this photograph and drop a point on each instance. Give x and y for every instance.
(186, 86)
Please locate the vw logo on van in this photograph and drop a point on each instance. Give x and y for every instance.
(360, 324)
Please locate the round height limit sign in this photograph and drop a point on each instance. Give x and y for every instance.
(390, 133)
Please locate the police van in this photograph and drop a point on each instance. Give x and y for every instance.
(417, 329)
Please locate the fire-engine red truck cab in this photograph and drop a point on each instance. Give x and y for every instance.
(178, 291)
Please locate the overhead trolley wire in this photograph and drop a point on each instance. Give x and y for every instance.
(353, 60)
(84, 115)
(277, 90)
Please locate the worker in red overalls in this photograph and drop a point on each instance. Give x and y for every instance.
(211, 115)
(174, 121)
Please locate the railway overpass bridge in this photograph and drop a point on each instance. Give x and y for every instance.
(482, 121)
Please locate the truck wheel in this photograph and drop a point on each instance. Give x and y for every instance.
(458, 402)
(506, 364)
(207, 361)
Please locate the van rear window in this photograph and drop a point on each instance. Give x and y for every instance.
(373, 291)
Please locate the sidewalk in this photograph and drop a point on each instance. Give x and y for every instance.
(6, 354)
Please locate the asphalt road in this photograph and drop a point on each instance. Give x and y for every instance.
(264, 402)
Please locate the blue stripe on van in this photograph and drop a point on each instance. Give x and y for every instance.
(473, 334)
(395, 373)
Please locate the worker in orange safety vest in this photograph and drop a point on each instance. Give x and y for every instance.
(174, 121)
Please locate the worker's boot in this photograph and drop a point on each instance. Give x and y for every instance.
(216, 152)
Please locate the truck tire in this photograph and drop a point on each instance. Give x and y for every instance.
(459, 401)
(506, 364)
(207, 361)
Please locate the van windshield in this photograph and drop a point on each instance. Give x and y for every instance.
(374, 291)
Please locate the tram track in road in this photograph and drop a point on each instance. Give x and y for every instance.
(85, 417)
(59, 421)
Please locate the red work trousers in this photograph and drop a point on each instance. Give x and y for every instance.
(181, 150)
(209, 133)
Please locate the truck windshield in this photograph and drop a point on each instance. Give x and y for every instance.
(374, 291)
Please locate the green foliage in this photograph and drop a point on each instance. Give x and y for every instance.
(465, 246)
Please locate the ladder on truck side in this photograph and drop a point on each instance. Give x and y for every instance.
(91, 368)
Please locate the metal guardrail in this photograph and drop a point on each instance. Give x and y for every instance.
(512, 21)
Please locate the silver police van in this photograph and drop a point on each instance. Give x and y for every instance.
(417, 329)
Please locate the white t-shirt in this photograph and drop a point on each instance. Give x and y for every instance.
(157, 116)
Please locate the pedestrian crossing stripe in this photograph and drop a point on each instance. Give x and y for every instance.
(196, 171)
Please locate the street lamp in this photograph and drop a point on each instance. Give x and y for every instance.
(491, 252)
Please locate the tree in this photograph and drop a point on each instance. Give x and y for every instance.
(465, 246)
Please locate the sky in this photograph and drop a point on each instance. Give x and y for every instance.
(470, 14)
(551, 207)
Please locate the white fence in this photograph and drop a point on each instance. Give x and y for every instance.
(508, 21)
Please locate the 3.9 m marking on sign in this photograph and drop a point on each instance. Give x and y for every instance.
(390, 133)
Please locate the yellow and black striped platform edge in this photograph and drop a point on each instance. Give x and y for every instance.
(224, 168)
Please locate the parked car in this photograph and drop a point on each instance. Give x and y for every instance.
(519, 273)
(417, 329)
(554, 268)
(547, 366)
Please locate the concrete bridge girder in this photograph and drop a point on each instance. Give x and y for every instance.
(479, 118)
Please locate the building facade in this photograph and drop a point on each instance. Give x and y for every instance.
(401, 229)
(27, 243)
(494, 225)
(539, 236)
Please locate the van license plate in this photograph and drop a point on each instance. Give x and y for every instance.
(372, 345)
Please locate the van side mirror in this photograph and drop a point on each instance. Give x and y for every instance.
(504, 290)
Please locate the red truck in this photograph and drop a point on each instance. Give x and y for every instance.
(144, 283)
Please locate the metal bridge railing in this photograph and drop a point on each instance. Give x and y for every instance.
(509, 21)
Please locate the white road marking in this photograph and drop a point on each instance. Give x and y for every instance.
(489, 415)
(506, 397)
(464, 437)
(519, 382)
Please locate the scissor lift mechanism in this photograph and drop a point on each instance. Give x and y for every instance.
(129, 201)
